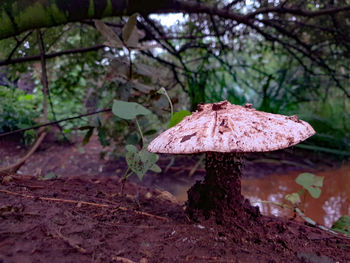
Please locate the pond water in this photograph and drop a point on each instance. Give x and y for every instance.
(333, 203)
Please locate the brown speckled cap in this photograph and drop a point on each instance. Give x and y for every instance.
(224, 127)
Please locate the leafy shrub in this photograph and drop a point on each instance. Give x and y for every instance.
(17, 109)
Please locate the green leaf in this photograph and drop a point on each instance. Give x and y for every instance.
(311, 183)
(294, 198)
(131, 148)
(315, 192)
(112, 39)
(128, 110)
(140, 161)
(177, 117)
(342, 225)
(132, 138)
(102, 133)
(130, 35)
(155, 168)
(88, 135)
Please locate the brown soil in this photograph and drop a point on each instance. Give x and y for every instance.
(85, 220)
(81, 216)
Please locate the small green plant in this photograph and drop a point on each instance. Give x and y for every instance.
(311, 184)
(140, 160)
(342, 225)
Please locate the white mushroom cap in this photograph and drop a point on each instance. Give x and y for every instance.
(224, 127)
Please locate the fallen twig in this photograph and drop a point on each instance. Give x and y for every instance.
(123, 260)
(83, 203)
(207, 259)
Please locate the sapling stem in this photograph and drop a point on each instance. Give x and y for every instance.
(130, 65)
(163, 91)
(141, 134)
(127, 174)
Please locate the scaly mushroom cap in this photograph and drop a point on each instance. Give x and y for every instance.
(224, 127)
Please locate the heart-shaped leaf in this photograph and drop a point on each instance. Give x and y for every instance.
(312, 183)
(141, 161)
(128, 110)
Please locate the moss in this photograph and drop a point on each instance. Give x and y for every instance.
(36, 15)
(109, 9)
(6, 25)
(91, 11)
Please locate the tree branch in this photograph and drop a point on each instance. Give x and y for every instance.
(54, 122)
(52, 55)
(298, 12)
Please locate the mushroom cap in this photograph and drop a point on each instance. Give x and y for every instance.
(225, 127)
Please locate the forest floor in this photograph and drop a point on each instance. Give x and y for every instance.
(78, 214)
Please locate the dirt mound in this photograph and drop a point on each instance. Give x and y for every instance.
(85, 219)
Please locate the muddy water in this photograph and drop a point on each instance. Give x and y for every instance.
(332, 204)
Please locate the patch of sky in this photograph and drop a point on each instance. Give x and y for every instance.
(170, 20)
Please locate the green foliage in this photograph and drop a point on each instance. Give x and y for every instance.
(342, 225)
(128, 110)
(88, 134)
(177, 117)
(293, 198)
(312, 183)
(17, 109)
(141, 161)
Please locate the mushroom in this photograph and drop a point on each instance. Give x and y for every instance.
(224, 132)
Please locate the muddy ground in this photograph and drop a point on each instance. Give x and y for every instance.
(80, 215)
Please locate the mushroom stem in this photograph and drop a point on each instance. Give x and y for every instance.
(224, 178)
(220, 192)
